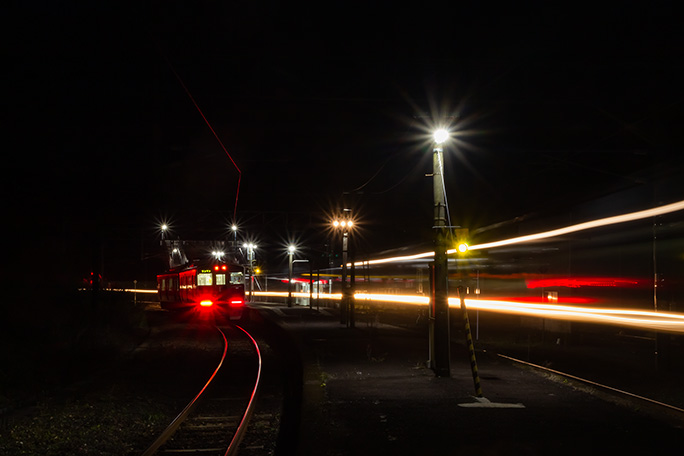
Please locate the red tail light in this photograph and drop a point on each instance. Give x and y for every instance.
(206, 303)
(236, 302)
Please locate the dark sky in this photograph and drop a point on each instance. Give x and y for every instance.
(554, 105)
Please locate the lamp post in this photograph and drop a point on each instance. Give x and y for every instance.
(290, 250)
(346, 304)
(163, 228)
(250, 260)
(439, 324)
(234, 229)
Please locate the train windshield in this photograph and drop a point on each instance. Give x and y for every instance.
(220, 279)
(204, 279)
(236, 278)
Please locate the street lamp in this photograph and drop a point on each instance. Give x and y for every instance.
(345, 223)
(234, 229)
(290, 250)
(250, 260)
(439, 311)
(163, 228)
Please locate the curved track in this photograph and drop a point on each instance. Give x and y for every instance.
(205, 428)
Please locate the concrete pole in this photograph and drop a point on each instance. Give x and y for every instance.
(442, 352)
(289, 282)
(344, 303)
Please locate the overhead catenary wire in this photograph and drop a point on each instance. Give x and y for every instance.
(237, 193)
(187, 91)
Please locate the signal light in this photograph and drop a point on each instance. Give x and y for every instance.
(216, 268)
(224, 267)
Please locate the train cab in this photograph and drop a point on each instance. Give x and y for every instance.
(218, 286)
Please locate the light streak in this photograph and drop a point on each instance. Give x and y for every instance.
(678, 206)
(139, 290)
(630, 217)
(641, 319)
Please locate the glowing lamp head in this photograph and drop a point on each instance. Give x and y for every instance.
(164, 227)
(462, 248)
(234, 227)
(336, 223)
(291, 249)
(440, 136)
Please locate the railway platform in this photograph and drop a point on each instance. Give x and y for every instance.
(367, 391)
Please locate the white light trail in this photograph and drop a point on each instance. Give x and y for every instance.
(674, 207)
(666, 209)
(641, 319)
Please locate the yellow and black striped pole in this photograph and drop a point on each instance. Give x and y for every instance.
(469, 341)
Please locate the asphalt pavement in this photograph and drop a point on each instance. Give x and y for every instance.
(366, 390)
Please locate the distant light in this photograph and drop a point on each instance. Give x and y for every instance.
(164, 227)
(440, 136)
(234, 228)
(349, 223)
(463, 248)
(336, 223)
(291, 249)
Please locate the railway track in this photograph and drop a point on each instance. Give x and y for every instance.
(673, 413)
(216, 419)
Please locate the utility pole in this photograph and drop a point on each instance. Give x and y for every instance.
(439, 292)
(345, 223)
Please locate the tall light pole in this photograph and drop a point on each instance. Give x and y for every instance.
(250, 260)
(346, 305)
(439, 344)
(290, 250)
(234, 229)
(163, 228)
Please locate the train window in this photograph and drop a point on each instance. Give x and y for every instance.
(163, 284)
(220, 279)
(236, 278)
(204, 279)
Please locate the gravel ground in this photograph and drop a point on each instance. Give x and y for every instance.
(124, 400)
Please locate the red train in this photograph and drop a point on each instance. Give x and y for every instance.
(218, 286)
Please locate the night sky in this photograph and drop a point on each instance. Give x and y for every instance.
(320, 106)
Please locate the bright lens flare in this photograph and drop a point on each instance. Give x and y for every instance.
(440, 136)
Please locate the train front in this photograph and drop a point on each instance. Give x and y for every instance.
(221, 288)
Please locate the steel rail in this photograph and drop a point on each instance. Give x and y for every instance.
(590, 382)
(242, 427)
(171, 428)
